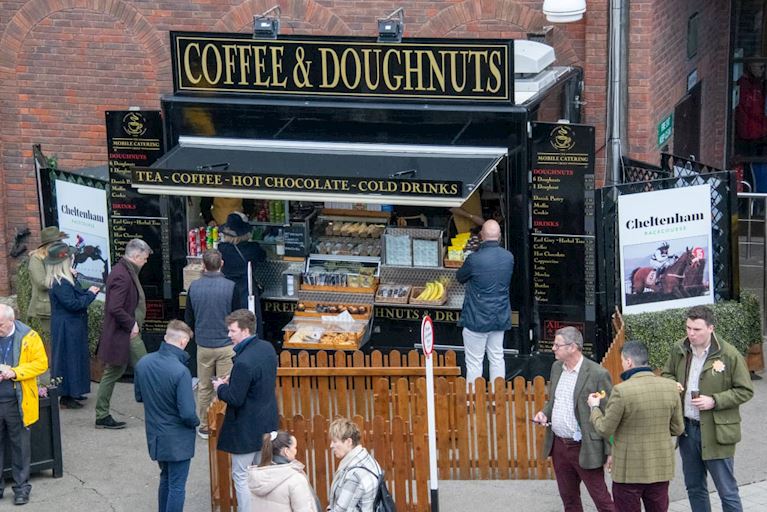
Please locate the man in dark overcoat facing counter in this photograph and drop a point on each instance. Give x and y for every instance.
(163, 383)
(124, 313)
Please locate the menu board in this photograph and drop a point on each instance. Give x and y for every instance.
(295, 240)
(563, 179)
(134, 138)
(563, 253)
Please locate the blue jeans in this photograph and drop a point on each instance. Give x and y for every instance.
(695, 468)
(172, 489)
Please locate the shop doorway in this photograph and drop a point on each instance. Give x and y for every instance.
(687, 124)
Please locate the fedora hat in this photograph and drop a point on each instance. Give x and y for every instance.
(51, 234)
(58, 252)
(236, 225)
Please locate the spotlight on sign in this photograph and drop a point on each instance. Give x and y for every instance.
(267, 24)
(564, 11)
(391, 28)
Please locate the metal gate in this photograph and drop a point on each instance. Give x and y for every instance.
(682, 173)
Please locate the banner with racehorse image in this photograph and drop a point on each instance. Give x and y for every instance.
(665, 249)
(82, 214)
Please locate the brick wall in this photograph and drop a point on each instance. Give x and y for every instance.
(64, 62)
(658, 70)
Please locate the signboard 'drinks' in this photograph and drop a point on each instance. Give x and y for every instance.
(455, 70)
(665, 249)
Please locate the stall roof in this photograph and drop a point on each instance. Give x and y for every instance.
(373, 173)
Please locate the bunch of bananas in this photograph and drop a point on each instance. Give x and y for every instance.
(434, 290)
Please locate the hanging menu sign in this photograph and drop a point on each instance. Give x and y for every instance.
(295, 240)
(562, 221)
(134, 138)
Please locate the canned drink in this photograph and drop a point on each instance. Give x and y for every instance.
(192, 248)
(203, 240)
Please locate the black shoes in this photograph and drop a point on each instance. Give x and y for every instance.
(110, 423)
(21, 499)
(67, 402)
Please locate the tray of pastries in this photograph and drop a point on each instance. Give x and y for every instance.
(314, 334)
(319, 309)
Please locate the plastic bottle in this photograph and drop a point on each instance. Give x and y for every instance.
(280, 249)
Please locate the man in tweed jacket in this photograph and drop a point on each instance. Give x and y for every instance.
(642, 415)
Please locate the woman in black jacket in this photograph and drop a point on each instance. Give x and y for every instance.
(237, 251)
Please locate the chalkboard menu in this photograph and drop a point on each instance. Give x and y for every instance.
(562, 221)
(134, 138)
(295, 240)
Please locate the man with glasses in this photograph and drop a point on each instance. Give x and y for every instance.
(578, 452)
(124, 313)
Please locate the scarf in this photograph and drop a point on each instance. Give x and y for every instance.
(133, 270)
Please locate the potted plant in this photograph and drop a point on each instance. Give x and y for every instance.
(45, 434)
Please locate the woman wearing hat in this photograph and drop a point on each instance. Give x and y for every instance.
(40, 304)
(237, 251)
(69, 325)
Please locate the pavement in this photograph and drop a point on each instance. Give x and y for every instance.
(109, 470)
(542, 495)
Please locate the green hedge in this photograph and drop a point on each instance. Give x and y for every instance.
(738, 323)
(24, 293)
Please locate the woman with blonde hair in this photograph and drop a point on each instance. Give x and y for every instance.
(355, 482)
(69, 326)
(39, 309)
(278, 483)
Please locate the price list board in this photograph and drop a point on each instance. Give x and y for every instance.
(562, 230)
(134, 139)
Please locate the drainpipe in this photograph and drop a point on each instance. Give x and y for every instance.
(617, 86)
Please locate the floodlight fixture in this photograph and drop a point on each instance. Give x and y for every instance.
(267, 24)
(391, 28)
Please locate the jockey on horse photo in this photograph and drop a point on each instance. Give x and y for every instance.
(660, 261)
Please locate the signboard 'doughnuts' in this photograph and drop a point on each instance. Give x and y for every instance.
(228, 63)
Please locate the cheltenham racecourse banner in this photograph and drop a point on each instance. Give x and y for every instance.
(665, 249)
(82, 214)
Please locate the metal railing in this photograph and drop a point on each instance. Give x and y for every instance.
(753, 208)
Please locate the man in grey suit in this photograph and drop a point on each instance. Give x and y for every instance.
(577, 451)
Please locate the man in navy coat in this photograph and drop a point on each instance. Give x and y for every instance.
(251, 403)
(163, 382)
(486, 313)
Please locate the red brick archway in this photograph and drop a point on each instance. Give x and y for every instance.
(33, 108)
(312, 17)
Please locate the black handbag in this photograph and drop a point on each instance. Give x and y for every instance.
(383, 501)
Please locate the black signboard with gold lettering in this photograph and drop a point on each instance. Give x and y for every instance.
(298, 183)
(447, 70)
(562, 239)
(134, 138)
(563, 179)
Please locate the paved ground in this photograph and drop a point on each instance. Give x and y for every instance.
(110, 470)
(107, 470)
(542, 496)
